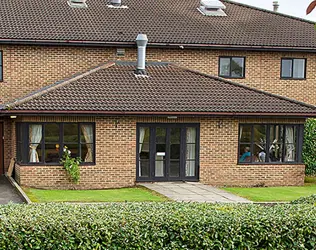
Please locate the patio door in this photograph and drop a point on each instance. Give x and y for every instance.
(1, 150)
(167, 152)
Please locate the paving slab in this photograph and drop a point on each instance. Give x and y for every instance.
(193, 192)
(8, 192)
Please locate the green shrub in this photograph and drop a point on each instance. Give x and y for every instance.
(157, 226)
(306, 200)
(309, 147)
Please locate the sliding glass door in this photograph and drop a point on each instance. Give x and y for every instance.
(167, 152)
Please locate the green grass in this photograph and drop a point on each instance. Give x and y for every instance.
(270, 194)
(109, 195)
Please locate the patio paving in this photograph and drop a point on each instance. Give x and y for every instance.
(8, 192)
(193, 192)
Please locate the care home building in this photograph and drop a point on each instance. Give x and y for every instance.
(216, 92)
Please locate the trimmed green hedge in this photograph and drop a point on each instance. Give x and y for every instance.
(306, 200)
(309, 147)
(157, 226)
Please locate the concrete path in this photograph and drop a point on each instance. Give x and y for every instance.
(194, 192)
(8, 192)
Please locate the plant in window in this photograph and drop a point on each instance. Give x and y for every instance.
(71, 165)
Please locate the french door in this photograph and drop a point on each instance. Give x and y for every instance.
(167, 152)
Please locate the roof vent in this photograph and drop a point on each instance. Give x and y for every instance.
(77, 3)
(117, 4)
(212, 8)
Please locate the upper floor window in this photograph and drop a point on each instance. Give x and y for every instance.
(270, 143)
(232, 67)
(1, 67)
(42, 143)
(293, 68)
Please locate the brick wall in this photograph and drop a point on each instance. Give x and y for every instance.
(28, 68)
(116, 156)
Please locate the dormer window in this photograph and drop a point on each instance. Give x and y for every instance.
(212, 8)
(77, 3)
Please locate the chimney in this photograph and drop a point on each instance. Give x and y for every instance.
(275, 6)
(141, 42)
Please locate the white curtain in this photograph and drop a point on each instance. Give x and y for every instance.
(35, 137)
(190, 154)
(87, 131)
(141, 140)
(290, 147)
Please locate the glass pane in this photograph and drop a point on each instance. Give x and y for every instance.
(161, 148)
(276, 143)
(259, 153)
(161, 135)
(175, 151)
(159, 166)
(237, 67)
(52, 153)
(35, 153)
(174, 169)
(86, 133)
(290, 143)
(190, 154)
(144, 151)
(191, 135)
(286, 68)
(245, 133)
(299, 68)
(144, 168)
(224, 67)
(175, 134)
(73, 149)
(87, 152)
(144, 135)
(190, 168)
(35, 133)
(71, 132)
(260, 136)
(245, 154)
(51, 132)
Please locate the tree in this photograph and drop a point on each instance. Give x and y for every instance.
(311, 7)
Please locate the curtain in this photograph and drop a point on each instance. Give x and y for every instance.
(141, 140)
(35, 137)
(289, 144)
(87, 131)
(190, 154)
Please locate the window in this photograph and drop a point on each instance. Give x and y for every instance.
(1, 66)
(273, 143)
(43, 142)
(232, 67)
(293, 68)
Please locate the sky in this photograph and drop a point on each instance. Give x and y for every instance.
(290, 7)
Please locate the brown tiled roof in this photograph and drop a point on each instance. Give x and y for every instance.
(114, 88)
(164, 21)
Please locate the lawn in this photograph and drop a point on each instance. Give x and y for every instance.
(269, 194)
(108, 195)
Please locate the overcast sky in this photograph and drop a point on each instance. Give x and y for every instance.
(290, 7)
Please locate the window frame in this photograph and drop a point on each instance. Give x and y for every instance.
(1, 65)
(230, 67)
(299, 144)
(292, 70)
(24, 126)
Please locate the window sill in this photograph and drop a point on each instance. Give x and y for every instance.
(230, 77)
(269, 163)
(293, 79)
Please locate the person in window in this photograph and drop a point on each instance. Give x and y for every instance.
(246, 155)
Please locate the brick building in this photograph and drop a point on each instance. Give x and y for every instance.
(68, 78)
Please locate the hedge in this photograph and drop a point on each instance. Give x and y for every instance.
(157, 226)
(306, 200)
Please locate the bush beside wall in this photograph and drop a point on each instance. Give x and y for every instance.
(309, 147)
(157, 226)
